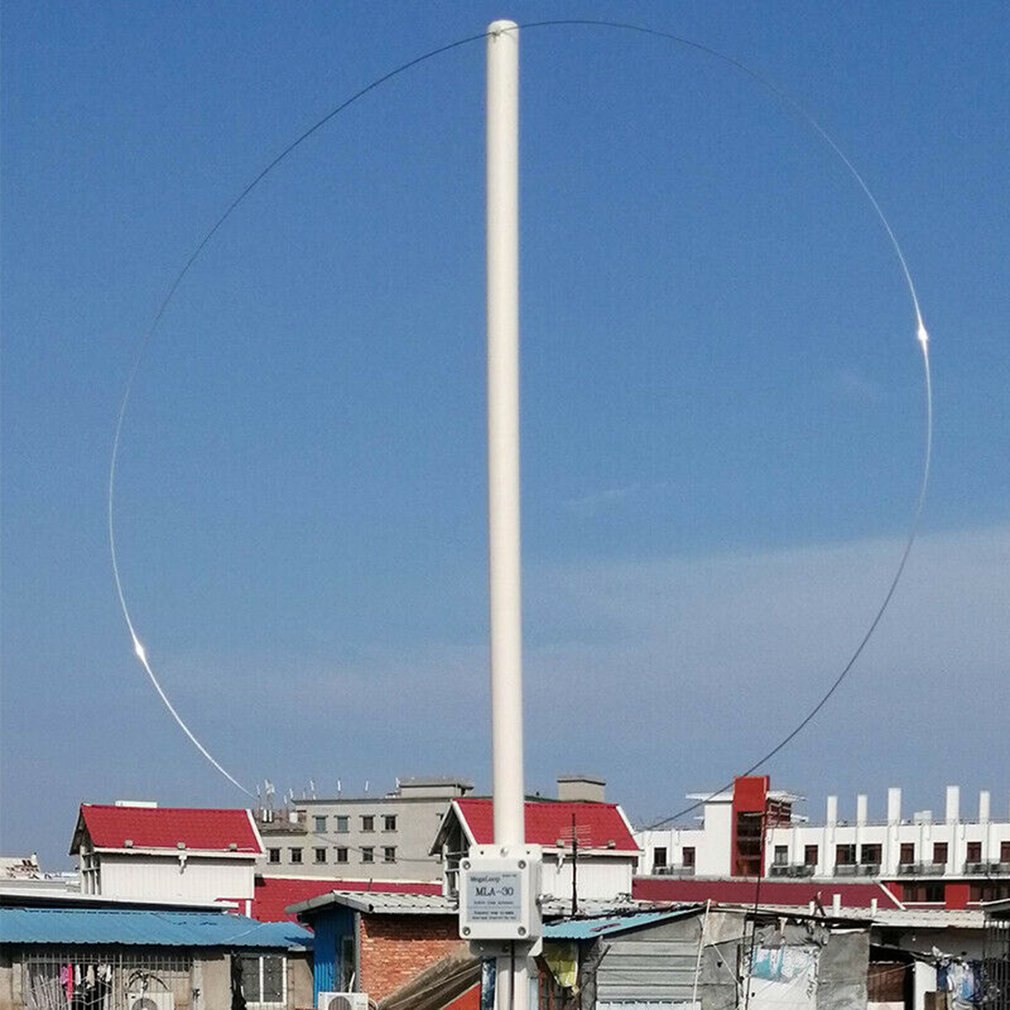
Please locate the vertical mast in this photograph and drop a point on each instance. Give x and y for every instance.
(503, 429)
(516, 968)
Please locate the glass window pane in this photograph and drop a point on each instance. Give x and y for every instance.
(273, 979)
(251, 979)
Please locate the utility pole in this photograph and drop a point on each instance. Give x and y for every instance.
(575, 868)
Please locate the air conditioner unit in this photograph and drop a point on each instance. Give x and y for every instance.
(150, 1001)
(342, 1001)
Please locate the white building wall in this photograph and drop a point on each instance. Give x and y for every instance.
(166, 877)
(600, 878)
(713, 840)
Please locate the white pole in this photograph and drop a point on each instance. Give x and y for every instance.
(503, 429)
(514, 972)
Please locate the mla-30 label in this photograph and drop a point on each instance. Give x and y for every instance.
(494, 897)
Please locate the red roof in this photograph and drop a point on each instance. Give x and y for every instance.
(274, 894)
(110, 827)
(597, 825)
(773, 892)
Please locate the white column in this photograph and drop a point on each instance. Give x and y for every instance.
(503, 429)
(515, 972)
(953, 804)
(893, 805)
(861, 808)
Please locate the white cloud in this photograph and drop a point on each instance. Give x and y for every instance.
(679, 670)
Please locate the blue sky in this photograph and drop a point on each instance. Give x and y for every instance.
(722, 400)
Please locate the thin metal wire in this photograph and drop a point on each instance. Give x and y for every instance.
(767, 83)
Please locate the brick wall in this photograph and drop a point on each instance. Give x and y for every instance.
(394, 948)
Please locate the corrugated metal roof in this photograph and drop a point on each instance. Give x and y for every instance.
(274, 895)
(145, 927)
(589, 929)
(380, 904)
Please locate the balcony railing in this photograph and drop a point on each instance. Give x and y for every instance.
(857, 869)
(987, 869)
(792, 870)
(673, 871)
(921, 869)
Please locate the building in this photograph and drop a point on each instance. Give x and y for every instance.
(383, 837)
(589, 852)
(275, 895)
(956, 861)
(705, 957)
(143, 851)
(997, 953)
(376, 943)
(107, 954)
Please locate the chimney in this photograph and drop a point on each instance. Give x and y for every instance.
(953, 803)
(581, 789)
(894, 805)
(832, 814)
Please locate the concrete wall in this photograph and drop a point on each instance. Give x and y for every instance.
(841, 971)
(417, 821)
(207, 988)
(601, 877)
(7, 988)
(197, 878)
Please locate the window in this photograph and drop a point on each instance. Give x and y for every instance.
(810, 855)
(974, 852)
(274, 855)
(907, 853)
(389, 854)
(940, 852)
(933, 893)
(343, 825)
(346, 963)
(368, 854)
(658, 858)
(1004, 852)
(341, 855)
(389, 822)
(989, 892)
(263, 978)
(296, 855)
(320, 823)
(367, 822)
(320, 855)
(781, 856)
(749, 844)
(869, 855)
(688, 857)
(845, 855)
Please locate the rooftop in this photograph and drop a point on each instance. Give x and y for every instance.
(274, 895)
(145, 927)
(598, 826)
(607, 925)
(133, 827)
(379, 903)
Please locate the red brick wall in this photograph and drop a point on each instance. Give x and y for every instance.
(394, 948)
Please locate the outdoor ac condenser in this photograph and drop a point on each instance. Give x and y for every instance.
(150, 1001)
(342, 1001)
